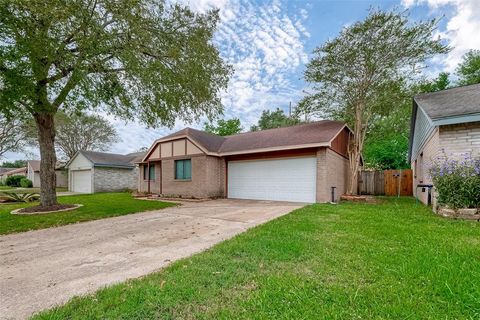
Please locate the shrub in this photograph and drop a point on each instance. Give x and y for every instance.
(14, 181)
(457, 182)
(20, 197)
(26, 183)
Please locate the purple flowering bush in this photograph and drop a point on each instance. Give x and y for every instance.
(457, 182)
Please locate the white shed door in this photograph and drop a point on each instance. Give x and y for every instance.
(292, 179)
(82, 181)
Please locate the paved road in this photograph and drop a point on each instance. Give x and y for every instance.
(43, 268)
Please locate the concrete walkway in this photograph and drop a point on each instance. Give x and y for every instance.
(43, 268)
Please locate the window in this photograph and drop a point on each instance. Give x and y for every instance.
(152, 172)
(149, 175)
(183, 169)
(145, 172)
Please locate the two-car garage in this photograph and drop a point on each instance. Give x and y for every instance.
(287, 179)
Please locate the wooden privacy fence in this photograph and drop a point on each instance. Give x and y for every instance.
(388, 182)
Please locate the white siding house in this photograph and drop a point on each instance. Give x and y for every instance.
(91, 172)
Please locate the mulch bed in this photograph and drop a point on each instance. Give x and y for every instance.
(57, 207)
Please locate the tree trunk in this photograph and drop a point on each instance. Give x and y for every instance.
(46, 139)
(355, 153)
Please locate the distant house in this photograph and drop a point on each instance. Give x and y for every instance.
(90, 172)
(304, 163)
(6, 172)
(445, 124)
(33, 173)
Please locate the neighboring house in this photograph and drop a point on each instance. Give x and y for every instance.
(3, 173)
(7, 172)
(299, 163)
(91, 172)
(445, 125)
(33, 173)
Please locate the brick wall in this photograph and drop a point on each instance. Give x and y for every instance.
(207, 178)
(114, 179)
(456, 140)
(337, 174)
(332, 171)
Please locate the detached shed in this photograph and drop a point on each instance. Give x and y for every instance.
(91, 172)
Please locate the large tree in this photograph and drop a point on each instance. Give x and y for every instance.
(274, 119)
(468, 70)
(130, 58)
(224, 127)
(12, 135)
(352, 73)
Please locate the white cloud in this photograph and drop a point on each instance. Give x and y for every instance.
(461, 29)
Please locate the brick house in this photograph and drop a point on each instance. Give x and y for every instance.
(90, 171)
(299, 163)
(445, 124)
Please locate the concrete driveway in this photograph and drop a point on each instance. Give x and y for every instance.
(43, 268)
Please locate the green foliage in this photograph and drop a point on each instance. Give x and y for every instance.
(442, 82)
(20, 197)
(14, 181)
(457, 182)
(351, 72)
(468, 70)
(224, 127)
(15, 164)
(275, 119)
(26, 183)
(386, 144)
(131, 58)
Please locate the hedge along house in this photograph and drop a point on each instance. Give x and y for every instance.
(445, 125)
(91, 172)
(300, 163)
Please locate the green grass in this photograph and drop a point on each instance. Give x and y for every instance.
(393, 260)
(95, 206)
(5, 188)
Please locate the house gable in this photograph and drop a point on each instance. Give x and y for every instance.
(80, 162)
(173, 148)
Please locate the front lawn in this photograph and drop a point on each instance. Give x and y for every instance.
(348, 261)
(95, 206)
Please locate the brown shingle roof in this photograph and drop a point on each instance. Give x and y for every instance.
(304, 134)
(308, 133)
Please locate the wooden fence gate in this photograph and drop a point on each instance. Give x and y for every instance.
(388, 182)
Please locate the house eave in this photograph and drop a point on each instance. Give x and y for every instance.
(474, 117)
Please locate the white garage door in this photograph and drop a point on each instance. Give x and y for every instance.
(292, 179)
(82, 181)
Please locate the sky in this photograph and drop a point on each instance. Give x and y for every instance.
(268, 43)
